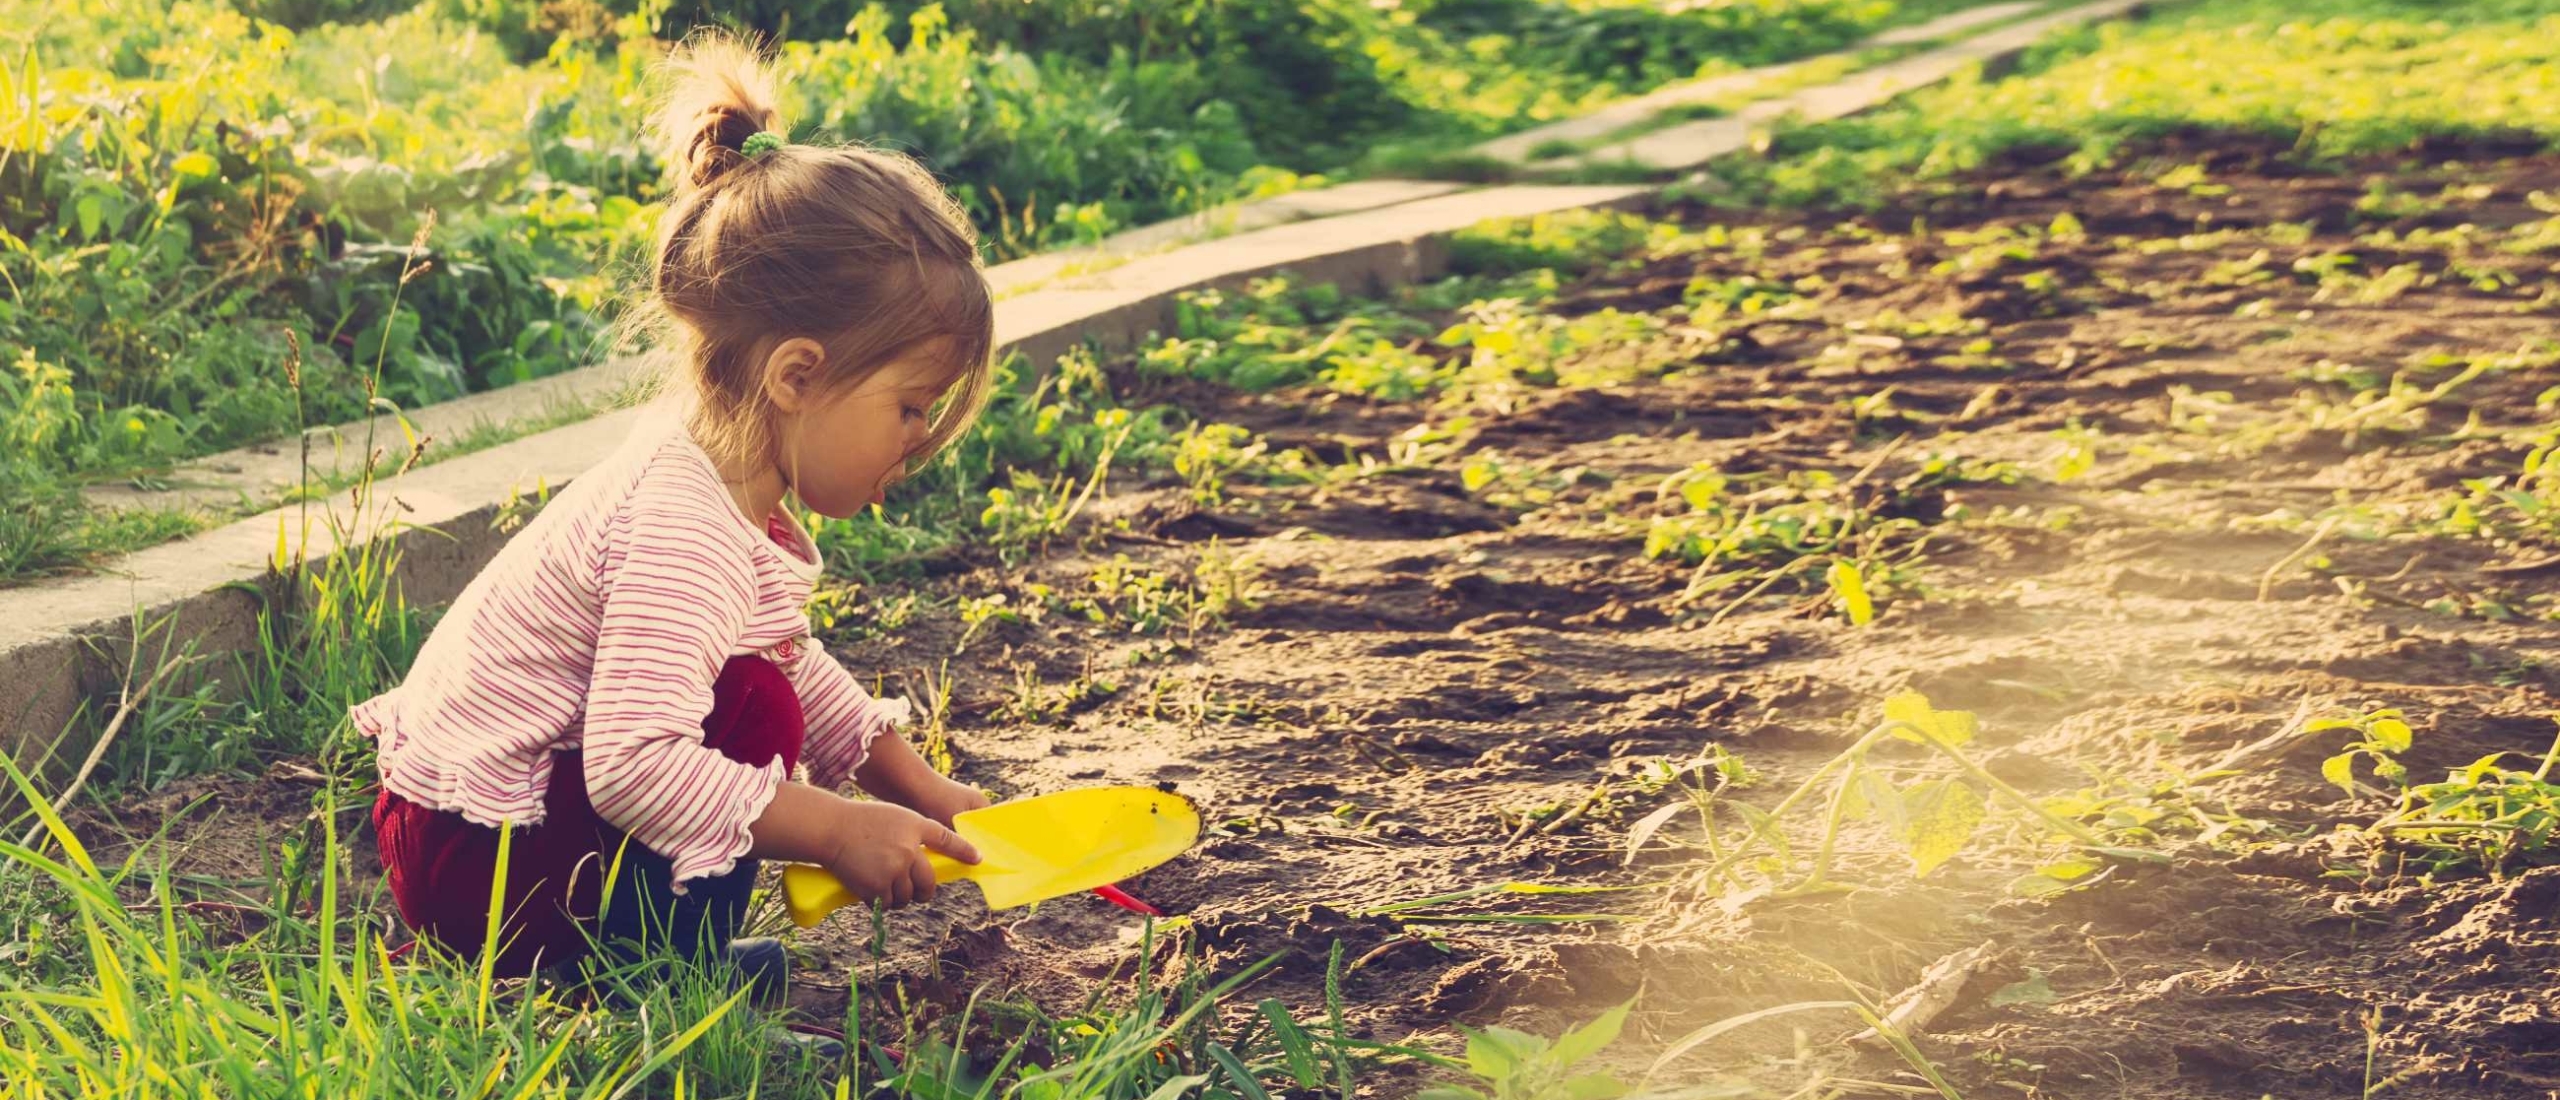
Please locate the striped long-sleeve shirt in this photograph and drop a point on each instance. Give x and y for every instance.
(600, 628)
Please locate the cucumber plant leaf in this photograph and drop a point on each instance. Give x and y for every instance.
(1952, 728)
(1938, 817)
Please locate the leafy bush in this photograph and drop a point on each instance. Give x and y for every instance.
(1310, 80)
(299, 14)
(1040, 151)
(169, 218)
(1631, 43)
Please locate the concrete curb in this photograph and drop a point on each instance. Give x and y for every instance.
(1614, 117)
(1688, 145)
(62, 642)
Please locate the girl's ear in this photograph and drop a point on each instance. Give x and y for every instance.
(791, 373)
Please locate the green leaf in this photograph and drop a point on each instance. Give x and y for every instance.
(1952, 728)
(1700, 491)
(1172, 1089)
(2482, 768)
(92, 212)
(2033, 991)
(1644, 828)
(1762, 825)
(2036, 886)
(2341, 770)
(1293, 1042)
(1851, 587)
(2393, 734)
(1246, 1086)
(1448, 1092)
(195, 167)
(1591, 1086)
(1497, 1053)
(1941, 816)
(1871, 793)
(1583, 1042)
(2069, 870)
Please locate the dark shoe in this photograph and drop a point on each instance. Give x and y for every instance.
(763, 969)
(791, 1046)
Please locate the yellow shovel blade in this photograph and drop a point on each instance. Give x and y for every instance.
(1034, 849)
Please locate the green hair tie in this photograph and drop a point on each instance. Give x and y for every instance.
(760, 143)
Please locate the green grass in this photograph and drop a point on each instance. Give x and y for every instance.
(2330, 78)
(45, 529)
(296, 993)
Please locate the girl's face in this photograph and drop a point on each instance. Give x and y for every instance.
(841, 452)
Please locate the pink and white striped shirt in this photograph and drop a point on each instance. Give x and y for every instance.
(600, 628)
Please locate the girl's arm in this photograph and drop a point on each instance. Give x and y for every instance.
(673, 607)
(875, 849)
(674, 597)
(843, 720)
(850, 733)
(895, 772)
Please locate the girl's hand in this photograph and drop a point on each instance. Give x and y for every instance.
(942, 799)
(879, 852)
(893, 772)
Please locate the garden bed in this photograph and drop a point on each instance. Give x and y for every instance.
(2182, 475)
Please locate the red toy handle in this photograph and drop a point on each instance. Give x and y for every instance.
(1121, 898)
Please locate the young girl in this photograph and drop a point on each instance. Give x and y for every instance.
(630, 688)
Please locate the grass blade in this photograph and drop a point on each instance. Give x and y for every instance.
(1709, 1033)
(1246, 1086)
(1293, 1044)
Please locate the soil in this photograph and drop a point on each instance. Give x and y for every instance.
(1423, 667)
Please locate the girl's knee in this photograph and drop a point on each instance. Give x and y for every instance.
(755, 713)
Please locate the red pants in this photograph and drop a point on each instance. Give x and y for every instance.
(440, 866)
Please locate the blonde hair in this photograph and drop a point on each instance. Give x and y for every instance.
(855, 248)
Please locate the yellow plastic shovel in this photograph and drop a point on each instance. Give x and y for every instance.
(1034, 849)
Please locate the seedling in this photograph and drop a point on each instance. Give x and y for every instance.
(2075, 455)
(1808, 524)
(2486, 814)
(1932, 817)
(2383, 736)
(1206, 455)
(978, 611)
(1518, 486)
(2526, 502)
(1515, 1065)
(1703, 780)
(1147, 600)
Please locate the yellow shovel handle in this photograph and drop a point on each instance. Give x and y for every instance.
(946, 869)
(810, 893)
